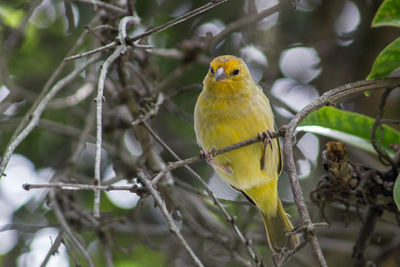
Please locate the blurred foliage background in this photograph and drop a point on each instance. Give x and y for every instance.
(295, 54)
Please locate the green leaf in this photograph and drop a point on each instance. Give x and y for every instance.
(349, 127)
(387, 61)
(388, 14)
(10, 16)
(396, 192)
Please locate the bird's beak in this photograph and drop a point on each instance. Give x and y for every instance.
(220, 74)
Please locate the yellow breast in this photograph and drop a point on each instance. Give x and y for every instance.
(222, 121)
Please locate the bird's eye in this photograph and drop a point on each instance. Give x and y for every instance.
(211, 70)
(236, 72)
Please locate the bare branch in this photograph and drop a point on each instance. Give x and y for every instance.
(79, 95)
(383, 155)
(108, 253)
(73, 187)
(160, 28)
(178, 20)
(390, 121)
(53, 249)
(103, 5)
(99, 108)
(74, 239)
(122, 27)
(163, 208)
(285, 257)
(91, 52)
(245, 21)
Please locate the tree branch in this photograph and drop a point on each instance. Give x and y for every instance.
(245, 21)
(383, 155)
(157, 29)
(53, 249)
(99, 107)
(60, 216)
(163, 208)
(74, 187)
(104, 5)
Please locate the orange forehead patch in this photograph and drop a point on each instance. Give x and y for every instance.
(229, 63)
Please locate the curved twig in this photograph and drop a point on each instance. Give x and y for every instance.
(383, 155)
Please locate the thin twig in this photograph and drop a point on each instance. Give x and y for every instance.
(172, 77)
(53, 249)
(36, 114)
(102, 27)
(74, 239)
(178, 20)
(163, 208)
(383, 155)
(150, 113)
(103, 5)
(390, 121)
(99, 109)
(74, 187)
(282, 259)
(123, 25)
(107, 252)
(160, 28)
(72, 100)
(71, 255)
(91, 52)
(119, 51)
(245, 21)
(89, 124)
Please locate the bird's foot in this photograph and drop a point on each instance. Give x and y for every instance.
(208, 156)
(265, 137)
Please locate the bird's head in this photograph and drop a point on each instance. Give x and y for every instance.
(227, 73)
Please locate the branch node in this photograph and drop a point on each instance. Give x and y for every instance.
(249, 242)
(27, 187)
(232, 219)
(282, 131)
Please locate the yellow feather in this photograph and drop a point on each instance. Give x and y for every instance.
(232, 108)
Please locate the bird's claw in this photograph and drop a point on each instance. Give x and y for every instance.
(208, 156)
(265, 137)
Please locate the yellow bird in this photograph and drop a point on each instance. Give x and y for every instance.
(232, 108)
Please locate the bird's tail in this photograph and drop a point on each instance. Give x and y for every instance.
(277, 226)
